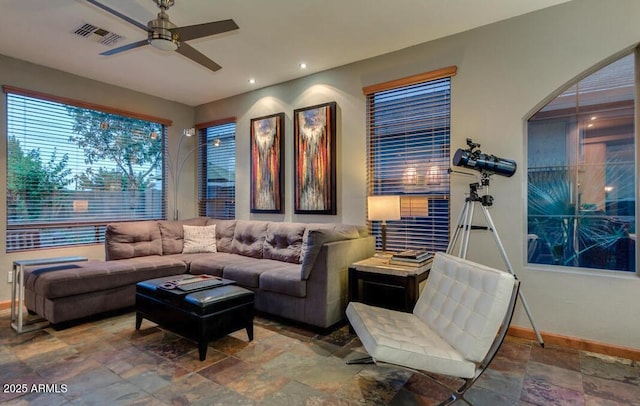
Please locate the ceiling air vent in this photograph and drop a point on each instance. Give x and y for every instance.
(96, 34)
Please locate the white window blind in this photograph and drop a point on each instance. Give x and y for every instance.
(217, 171)
(408, 155)
(71, 170)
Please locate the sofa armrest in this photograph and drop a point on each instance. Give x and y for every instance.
(327, 285)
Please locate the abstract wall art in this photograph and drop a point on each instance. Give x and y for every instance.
(267, 165)
(314, 148)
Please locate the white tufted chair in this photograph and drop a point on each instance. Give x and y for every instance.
(456, 328)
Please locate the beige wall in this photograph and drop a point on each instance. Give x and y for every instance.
(25, 75)
(505, 70)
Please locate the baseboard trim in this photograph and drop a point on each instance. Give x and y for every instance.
(577, 343)
(5, 305)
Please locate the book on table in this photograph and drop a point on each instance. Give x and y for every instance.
(412, 264)
(412, 255)
(411, 258)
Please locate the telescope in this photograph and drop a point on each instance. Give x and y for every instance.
(473, 158)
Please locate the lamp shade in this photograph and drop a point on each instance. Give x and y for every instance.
(383, 207)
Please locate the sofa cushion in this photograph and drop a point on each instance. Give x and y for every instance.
(248, 238)
(284, 242)
(343, 228)
(92, 276)
(316, 238)
(214, 264)
(132, 239)
(305, 236)
(247, 273)
(224, 233)
(285, 280)
(173, 235)
(363, 231)
(199, 239)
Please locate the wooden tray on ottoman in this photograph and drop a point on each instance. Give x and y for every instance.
(201, 315)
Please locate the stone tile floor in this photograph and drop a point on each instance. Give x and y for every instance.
(107, 362)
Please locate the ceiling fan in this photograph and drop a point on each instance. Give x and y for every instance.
(165, 35)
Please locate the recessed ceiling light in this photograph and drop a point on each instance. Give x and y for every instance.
(303, 65)
(252, 81)
(593, 118)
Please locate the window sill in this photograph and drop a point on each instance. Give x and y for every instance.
(583, 271)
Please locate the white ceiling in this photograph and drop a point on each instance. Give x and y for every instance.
(274, 37)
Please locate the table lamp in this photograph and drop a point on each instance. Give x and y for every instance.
(383, 208)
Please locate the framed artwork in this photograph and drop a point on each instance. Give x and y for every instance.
(314, 159)
(267, 165)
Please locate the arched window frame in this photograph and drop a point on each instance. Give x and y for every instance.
(590, 221)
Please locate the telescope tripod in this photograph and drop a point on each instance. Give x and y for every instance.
(463, 231)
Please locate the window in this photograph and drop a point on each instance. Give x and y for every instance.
(72, 169)
(408, 155)
(217, 170)
(581, 173)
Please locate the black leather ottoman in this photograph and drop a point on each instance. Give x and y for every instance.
(202, 316)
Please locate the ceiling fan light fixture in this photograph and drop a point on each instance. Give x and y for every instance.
(164, 44)
(161, 35)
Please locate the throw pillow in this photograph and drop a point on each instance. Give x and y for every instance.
(173, 234)
(199, 239)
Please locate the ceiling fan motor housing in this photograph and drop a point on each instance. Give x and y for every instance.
(162, 34)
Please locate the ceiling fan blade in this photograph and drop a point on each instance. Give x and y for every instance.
(126, 47)
(205, 30)
(120, 15)
(195, 55)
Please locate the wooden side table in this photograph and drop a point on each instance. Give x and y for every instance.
(394, 286)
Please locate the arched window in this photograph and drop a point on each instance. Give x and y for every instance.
(581, 158)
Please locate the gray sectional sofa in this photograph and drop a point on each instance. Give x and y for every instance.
(298, 271)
